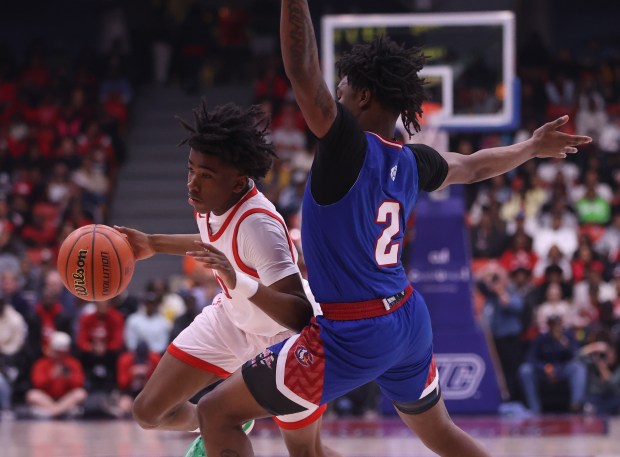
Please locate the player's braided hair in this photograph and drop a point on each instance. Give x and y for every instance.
(390, 72)
(236, 135)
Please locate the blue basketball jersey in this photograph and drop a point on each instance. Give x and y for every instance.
(352, 248)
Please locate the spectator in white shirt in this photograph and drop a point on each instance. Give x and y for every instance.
(562, 237)
(148, 325)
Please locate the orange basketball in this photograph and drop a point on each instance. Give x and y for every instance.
(96, 262)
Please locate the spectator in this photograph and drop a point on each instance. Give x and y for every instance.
(171, 304)
(585, 259)
(13, 332)
(591, 116)
(592, 208)
(488, 240)
(291, 197)
(58, 381)
(288, 139)
(591, 181)
(48, 317)
(100, 340)
(519, 254)
(554, 305)
(551, 359)
(191, 311)
(13, 294)
(609, 243)
(603, 391)
(134, 369)
(550, 169)
(609, 142)
(557, 259)
(148, 325)
(503, 308)
(94, 184)
(589, 292)
(559, 235)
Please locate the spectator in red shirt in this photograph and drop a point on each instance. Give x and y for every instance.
(519, 254)
(58, 381)
(99, 340)
(133, 370)
(48, 317)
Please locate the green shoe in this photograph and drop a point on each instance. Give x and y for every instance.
(197, 449)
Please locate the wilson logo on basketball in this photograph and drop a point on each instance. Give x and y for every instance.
(303, 356)
(79, 282)
(105, 266)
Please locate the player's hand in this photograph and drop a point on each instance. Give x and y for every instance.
(549, 142)
(212, 258)
(139, 242)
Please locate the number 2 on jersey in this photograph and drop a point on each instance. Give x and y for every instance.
(386, 250)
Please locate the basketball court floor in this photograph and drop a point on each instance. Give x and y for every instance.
(565, 436)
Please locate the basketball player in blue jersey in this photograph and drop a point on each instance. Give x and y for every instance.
(362, 189)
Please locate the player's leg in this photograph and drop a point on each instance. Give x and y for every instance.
(306, 441)
(413, 385)
(70, 400)
(198, 357)
(221, 414)
(438, 432)
(256, 391)
(41, 401)
(164, 401)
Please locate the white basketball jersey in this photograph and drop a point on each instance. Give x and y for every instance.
(247, 316)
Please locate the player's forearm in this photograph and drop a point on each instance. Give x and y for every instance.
(173, 244)
(299, 50)
(488, 163)
(290, 311)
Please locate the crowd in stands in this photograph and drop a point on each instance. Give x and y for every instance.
(545, 239)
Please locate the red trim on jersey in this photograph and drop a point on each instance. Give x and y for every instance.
(316, 415)
(361, 309)
(242, 266)
(196, 362)
(391, 144)
(215, 236)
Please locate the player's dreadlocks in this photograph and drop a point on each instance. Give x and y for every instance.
(234, 134)
(390, 72)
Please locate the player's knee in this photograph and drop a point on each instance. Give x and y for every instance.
(207, 410)
(146, 414)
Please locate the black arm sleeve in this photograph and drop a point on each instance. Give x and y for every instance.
(432, 168)
(339, 159)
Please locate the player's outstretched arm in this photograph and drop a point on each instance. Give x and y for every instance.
(546, 141)
(301, 63)
(146, 245)
(284, 301)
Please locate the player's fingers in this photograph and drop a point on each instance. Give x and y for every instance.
(560, 121)
(210, 247)
(575, 140)
(197, 254)
(570, 150)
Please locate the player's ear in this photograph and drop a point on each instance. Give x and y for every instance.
(240, 183)
(363, 98)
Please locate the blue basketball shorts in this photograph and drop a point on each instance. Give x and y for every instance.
(330, 358)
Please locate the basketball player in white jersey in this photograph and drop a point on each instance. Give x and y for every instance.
(228, 151)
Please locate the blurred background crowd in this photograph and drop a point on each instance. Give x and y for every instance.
(545, 238)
